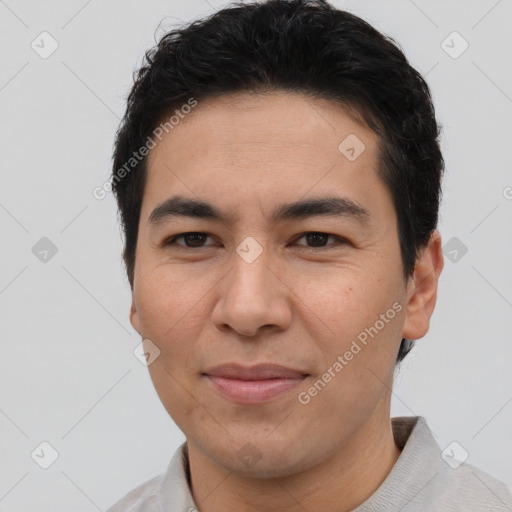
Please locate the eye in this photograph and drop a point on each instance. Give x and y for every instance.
(318, 239)
(192, 239)
(195, 240)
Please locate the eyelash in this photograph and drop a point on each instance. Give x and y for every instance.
(172, 240)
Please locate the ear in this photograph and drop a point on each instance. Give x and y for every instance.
(422, 289)
(134, 316)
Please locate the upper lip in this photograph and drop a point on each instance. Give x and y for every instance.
(257, 372)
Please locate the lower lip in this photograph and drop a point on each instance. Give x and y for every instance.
(253, 391)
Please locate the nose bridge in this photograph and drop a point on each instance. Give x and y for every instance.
(250, 276)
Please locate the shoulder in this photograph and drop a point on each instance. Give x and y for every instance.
(141, 499)
(425, 478)
(471, 489)
(165, 492)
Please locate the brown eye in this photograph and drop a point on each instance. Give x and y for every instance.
(192, 239)
(319, 240)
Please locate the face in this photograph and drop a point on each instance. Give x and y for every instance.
(319, 290)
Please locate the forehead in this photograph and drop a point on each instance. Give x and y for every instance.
(247, 149)
(274, 122)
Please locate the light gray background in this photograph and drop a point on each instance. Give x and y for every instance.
(67, 372)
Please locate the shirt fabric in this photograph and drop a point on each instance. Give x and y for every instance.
(420, 480)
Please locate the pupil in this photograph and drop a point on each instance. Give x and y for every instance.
(197, 236)
(314, 236)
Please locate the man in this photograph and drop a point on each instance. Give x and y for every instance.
(278, 177)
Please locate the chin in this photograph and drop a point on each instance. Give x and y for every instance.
(259, 457)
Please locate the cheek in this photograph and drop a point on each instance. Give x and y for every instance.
(170, 311)
(163, 297)
(347, 309)
(357, 346)
(171, 315)
(174, 390)
(341, 302)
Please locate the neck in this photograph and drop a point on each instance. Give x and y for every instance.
(338, 484)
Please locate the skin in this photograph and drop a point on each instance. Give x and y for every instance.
(246, 153)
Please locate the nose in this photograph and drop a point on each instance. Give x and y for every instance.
(253, 297)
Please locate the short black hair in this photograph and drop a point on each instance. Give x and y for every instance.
(303, 46)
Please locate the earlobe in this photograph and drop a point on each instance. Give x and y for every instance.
(422, 289)
(134, 317)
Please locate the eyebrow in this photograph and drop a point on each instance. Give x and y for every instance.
(179, 206)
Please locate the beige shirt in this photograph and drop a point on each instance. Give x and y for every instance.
(422, 479)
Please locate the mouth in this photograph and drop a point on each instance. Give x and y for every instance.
(253, 385)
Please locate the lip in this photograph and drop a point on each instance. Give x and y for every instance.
(255, 384)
